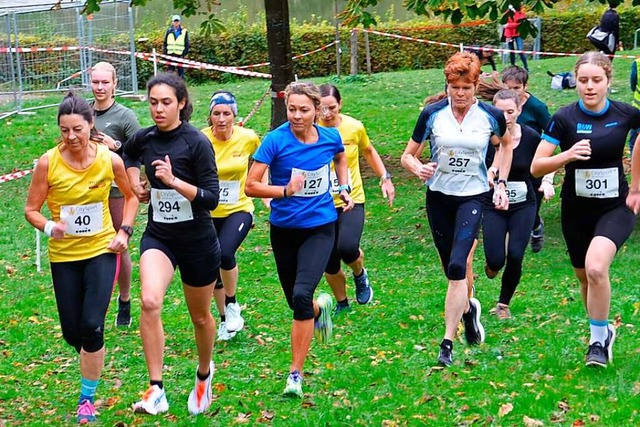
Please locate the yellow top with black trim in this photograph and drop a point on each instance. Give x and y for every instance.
(232, 160)
(355, 139)
(70, 190)
(175, 46)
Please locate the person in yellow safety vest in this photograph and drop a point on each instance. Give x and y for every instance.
(635, 88)
(176, 43)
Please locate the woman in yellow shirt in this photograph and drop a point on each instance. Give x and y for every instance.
(350, 224)
(74, 178)
(233, 146)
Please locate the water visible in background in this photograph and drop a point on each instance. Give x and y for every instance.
(158, 12)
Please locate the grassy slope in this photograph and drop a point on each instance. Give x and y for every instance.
(379, 369)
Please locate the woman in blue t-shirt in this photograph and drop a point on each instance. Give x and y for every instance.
(591, 135)
(298, 155)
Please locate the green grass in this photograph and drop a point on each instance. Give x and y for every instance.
(379, 370)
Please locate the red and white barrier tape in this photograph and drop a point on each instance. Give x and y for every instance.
(264, 64)
(188, 63)
(256, 107)
(14, 175)
(457, 46)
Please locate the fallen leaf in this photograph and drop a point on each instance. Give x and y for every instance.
(578, 423)
(505, 409)
(531, 422)
(242, 418)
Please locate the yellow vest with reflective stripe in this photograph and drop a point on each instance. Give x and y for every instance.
(636, 94)
(175, 46)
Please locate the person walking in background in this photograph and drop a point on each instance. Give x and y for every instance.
(233, 218)
(298, 155)
(459, 129)
(513, 38)
(535, 114)
(181, 170)
(350, 224)
(506, 233)
(116, 124)
(176, 43)
(635, 88)
(74, 179)
(610, 23)
(596, 221)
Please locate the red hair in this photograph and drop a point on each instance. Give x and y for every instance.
(463, 65)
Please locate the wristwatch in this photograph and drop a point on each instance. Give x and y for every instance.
(127, 229)
(502, 181)
(385, 177)
(117, 144)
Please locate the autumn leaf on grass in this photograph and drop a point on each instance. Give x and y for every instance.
(532, 422)
(578, 423)
(242, 418)
(267, 416)
(505, 409)
(617, 321)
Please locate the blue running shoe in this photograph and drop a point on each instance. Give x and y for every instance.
(364, 292)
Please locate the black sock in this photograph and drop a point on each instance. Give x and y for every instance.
(344, 302)
(223, 318)
(158, 383)
(229, 300)
(202, 377)
(123, 302)
(447, 343)
(359, 275)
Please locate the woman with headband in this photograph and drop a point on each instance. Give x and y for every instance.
(233, 146)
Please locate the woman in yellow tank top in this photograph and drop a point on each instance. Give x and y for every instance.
(74, 178)
(350, 224)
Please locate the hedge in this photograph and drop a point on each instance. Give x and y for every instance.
(562, 31)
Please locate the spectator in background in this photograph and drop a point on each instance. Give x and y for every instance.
(176, 43)
(635, 88)
(484, 54)
(512, 36)
(610, 23)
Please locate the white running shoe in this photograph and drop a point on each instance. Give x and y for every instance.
(200, 397)
(223, 332)
(323, 325)
(234, 319)
(154, 401)
(294, 385)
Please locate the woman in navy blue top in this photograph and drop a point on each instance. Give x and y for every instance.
(591, 135)
(298, 155)
(459, 130)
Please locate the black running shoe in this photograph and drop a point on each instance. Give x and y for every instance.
(124, 314)
(596, 355)
(445, 358)
(473, 329)
(537, 238)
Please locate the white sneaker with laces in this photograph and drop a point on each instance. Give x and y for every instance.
(200, 397)
(154, 401)
(223, 333)
(234, 321)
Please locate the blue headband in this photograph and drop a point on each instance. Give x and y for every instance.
(223, 98)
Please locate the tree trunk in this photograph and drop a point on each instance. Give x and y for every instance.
(279, 44)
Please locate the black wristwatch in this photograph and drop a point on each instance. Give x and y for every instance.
(127, 229)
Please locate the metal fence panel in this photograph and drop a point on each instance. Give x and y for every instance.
(47, 52)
